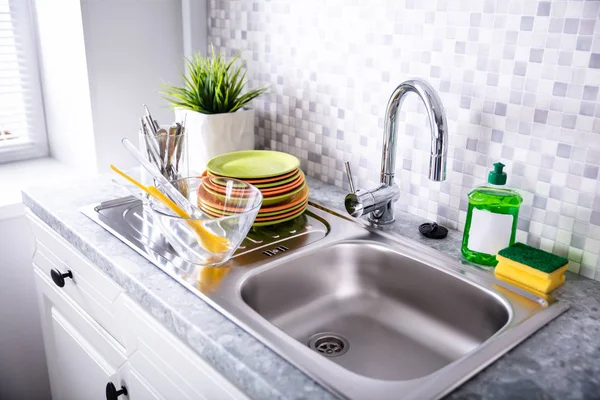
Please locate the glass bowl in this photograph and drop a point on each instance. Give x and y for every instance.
(210, 236)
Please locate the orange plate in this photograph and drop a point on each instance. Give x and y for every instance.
(263, 180)
(264, 219)
(274, 191)
(295, 200)
(214, 212)
(281, 216)
(285, 188)
(208, 184)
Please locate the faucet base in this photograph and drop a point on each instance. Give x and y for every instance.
(380, 222)
(385, 215)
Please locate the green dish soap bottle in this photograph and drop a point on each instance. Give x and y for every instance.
(491, 219)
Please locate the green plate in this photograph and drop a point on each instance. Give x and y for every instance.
(297, 224)
(278, 183)
(278, 221)
(269, 201)
(253, 164)
(272, 214)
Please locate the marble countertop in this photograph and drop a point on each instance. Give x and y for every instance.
(561, 361)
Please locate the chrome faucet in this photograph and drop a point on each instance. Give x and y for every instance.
(379, 202)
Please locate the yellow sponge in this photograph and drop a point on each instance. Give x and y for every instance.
(532, 268)
(519, 285)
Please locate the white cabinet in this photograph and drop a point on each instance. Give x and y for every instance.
(138, 388)
(81, 357)
(173, 369)
(88, 287)
(94, 334)
(81, 373)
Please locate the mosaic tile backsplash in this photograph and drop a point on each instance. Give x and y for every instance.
(519, 80)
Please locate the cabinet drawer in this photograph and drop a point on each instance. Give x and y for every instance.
(56, 306)
(89, 288)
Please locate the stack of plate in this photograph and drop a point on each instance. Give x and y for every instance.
(276, 174)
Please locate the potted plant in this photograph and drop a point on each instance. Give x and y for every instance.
(214, 106)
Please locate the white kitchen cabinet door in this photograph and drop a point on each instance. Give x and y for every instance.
(138, 388)
(82, 358)
(82, 373)
(169, 365)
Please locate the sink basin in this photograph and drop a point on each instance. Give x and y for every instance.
(375, 311)
(368, 314)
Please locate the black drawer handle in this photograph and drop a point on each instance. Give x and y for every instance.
(59, 278)
(112, 393)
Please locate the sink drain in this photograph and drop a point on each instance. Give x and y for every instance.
(329, 344)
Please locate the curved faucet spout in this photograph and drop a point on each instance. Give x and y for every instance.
(437, 123)
(379, 202)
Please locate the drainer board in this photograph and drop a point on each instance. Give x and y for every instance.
(127, 219)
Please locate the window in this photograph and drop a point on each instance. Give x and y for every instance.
(22, 126)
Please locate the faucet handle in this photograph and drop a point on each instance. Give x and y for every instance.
(350, 178)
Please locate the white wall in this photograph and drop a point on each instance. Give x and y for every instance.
(132, 48)
(195, 26)
(23, 372)
(100, 61)
(65, 84)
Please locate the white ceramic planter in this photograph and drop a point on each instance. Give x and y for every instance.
(210, 135)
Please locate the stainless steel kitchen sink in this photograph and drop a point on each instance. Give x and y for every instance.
(394, 317)
(365, 313)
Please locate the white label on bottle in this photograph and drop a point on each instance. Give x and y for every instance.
(489, 232)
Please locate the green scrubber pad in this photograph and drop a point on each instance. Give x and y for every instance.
(534, 258)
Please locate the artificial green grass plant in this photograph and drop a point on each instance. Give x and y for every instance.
(213, 85)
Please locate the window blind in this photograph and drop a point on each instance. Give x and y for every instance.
(20, 92)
